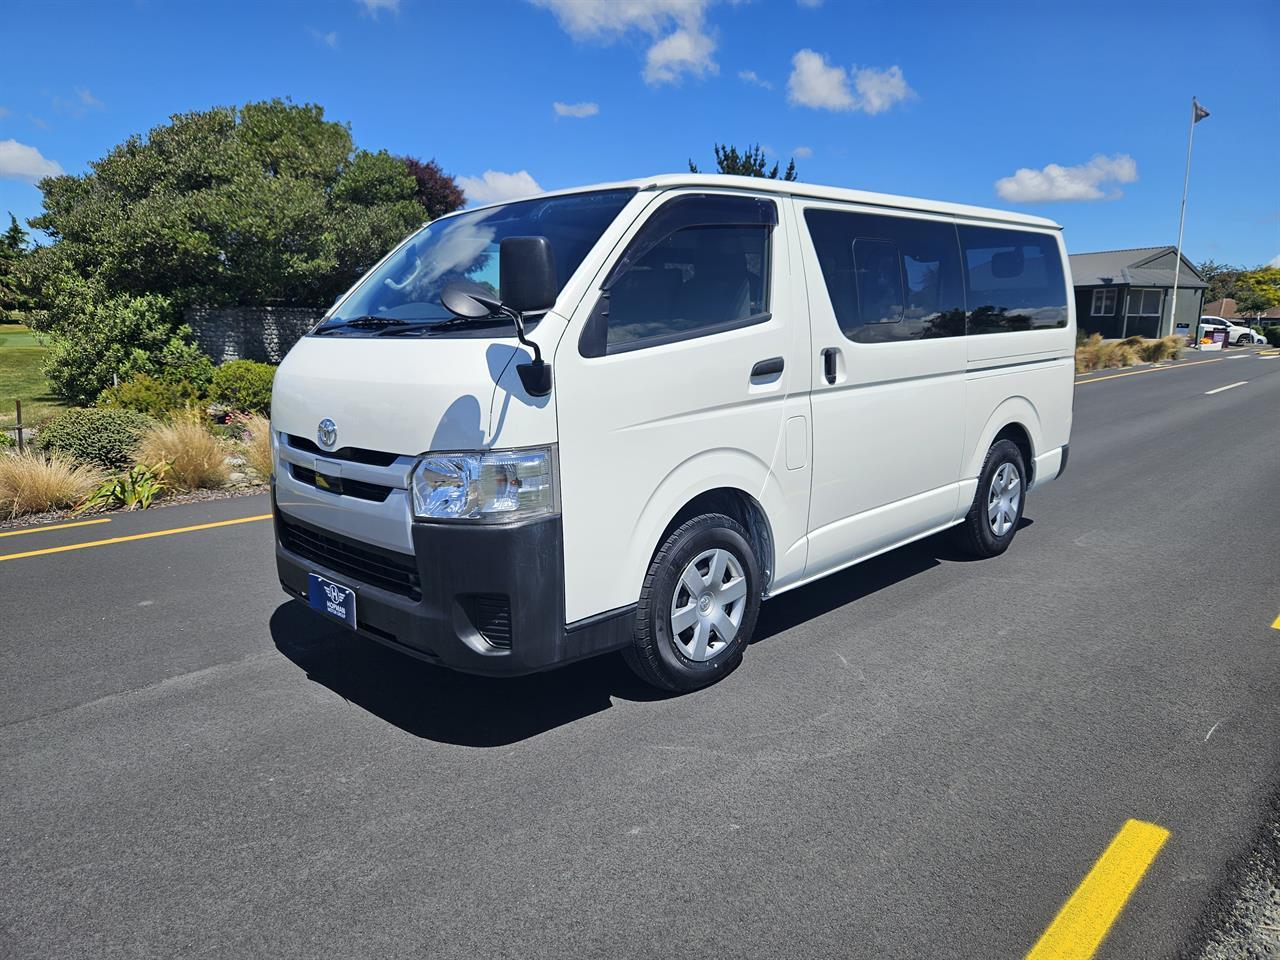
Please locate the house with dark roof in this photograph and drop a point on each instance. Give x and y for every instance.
(1122, 293)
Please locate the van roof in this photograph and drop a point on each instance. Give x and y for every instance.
(795, 188)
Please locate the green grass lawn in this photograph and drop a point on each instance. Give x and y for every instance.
(20, 379)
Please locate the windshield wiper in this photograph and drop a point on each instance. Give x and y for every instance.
(364, 323)
(430, 326)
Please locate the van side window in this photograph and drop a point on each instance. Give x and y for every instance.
(1013, 280)
(889, 278)
(699, 266)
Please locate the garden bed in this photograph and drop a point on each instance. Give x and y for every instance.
(192, 496)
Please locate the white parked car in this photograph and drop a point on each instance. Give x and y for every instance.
(621, 417)
(1240, 336)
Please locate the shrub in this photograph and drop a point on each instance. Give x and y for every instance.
(1166, 348)
(1095, 354)
(256, 446)
(243, 385)
(95, 341)
(146, 394)
(1272, 333)
(31, 483)
(134, 489)
(102, 436)
(196, 457)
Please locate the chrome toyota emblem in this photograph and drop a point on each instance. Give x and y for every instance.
(327, 433)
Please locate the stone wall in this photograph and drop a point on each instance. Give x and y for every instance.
(249, 333)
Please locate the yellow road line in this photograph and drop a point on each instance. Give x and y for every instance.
(1084, 920)
(136, 536)
(56, 526)
(1134, 373)
(1276, 624)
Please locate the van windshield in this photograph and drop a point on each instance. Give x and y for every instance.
(402, 295)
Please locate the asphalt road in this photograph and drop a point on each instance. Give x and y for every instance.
(920, 757)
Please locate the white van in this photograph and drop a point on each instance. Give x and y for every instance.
(621, 417)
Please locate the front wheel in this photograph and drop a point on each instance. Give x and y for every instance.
(992, 521)
(698, 605)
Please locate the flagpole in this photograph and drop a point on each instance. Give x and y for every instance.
(1182, 219)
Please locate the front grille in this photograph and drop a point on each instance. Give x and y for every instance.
(375, 458)
(490, 614)
(363, 562)
(343, 485)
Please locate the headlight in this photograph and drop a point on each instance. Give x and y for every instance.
(494, 487)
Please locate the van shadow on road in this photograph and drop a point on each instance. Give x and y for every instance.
(448, 707)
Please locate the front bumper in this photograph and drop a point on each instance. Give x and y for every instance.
(483, 599)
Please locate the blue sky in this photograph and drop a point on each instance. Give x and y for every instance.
(1001, 104)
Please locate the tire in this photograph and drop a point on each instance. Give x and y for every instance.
(980, 535)
(698, 655)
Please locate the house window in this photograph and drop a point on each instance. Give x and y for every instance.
(1104, 302)
(1145, 303)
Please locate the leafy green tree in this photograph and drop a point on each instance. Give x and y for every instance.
(13, 248)
(747, 163)
(1258, 290)
(1221, 278)
(266, 203)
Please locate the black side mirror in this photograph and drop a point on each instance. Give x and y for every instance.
(527, 268)
(469, 300)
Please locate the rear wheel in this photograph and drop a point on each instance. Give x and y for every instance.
(698, 606)
(992, 521)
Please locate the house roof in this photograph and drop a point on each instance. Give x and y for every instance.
(1129, 267)
(1226, 309)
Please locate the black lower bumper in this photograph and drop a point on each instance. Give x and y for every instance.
(481, 599)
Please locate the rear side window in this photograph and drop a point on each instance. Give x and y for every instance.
(889, 278)
(700, 265)
(1013, 280)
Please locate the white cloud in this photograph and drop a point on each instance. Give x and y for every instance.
(813, 83)
(579, 110)
(685, 51)
(804, 153)
(822, 86)
(681, 44)
(878, 90)
(374, 7)
(753, 78)
(1056, 182)
(1274, 261)
(809, 3)
(21, 162)
(4, 112)
(329, 39)
(495, 186)
(88, 99)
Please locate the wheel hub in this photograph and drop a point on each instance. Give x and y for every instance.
(708, 604)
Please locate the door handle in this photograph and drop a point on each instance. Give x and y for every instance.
(767, 368)
(829, 355)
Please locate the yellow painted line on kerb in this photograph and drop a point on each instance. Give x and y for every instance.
(136, 536)
(1276, 624)
(1134, 373)
(55, 526)
(1084, 920)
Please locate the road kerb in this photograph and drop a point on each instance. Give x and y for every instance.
(136, 536)
(1087, 916)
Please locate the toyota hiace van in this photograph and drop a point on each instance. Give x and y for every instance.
(621, 417)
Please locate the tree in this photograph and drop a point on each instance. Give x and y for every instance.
(1221, 278)
(437, 191)
(749, 163)
(13, 248)
(264, 203)
(1259, 290)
